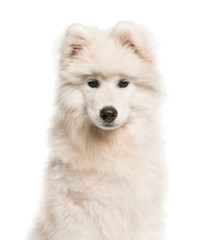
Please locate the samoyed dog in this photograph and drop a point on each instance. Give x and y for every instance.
(105, 177)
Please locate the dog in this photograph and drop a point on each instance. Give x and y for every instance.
(106, 174)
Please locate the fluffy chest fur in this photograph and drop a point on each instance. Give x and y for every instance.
(104, 206)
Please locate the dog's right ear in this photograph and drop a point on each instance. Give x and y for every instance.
(75, 39)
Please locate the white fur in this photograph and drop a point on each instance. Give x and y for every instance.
(99, 183)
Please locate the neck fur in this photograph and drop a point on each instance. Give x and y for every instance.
(89, 147)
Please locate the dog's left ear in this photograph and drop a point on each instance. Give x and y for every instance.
(136, 38)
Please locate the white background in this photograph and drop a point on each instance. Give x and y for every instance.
(185, 31)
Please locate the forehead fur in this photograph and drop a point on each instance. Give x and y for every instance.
(124, 50)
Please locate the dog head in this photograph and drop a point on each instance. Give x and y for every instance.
(107, 79)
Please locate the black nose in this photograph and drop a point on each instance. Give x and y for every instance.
(108, 114)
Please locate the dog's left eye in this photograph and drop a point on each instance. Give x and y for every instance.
(123, 83)
(93, 83)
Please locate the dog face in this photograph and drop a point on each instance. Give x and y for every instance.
(106, 77)
(108, 100)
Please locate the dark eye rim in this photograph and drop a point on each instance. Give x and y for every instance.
(93, 83)
(123, 83)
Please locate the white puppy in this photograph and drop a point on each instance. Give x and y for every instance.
(106, 177)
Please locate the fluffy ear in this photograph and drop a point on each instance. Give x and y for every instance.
(136, 38)
(75, 39)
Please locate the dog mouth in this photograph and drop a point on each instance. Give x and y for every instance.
(108, 126)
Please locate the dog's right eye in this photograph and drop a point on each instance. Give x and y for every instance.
(93, 83)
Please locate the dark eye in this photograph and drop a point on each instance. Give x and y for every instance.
(123, 83)
(93, 83)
